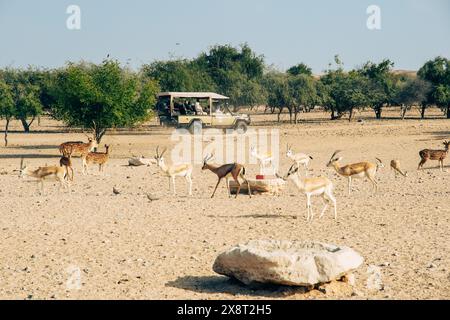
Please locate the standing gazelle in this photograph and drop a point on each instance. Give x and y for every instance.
(181, 170)
(234, 170)
(44, 173)
(299, 158)
(320, 186)
(358, 170)
(264, 160)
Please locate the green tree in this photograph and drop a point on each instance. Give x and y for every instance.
(341, 92)
(303, 92)
(382, 84)
(413, 92)
(102, 96)
(179, 75)
(234, 71)
(7, 110)
(298, 69)
(276, 85)
(26, 96)
(437, 72)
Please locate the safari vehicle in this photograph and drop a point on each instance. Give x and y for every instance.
(197, 110)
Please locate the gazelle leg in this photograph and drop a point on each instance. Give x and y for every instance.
(325, 202)
(239, 187)
(310, 212)
(248, 185)
(173, 183)
(349, 184)
(227, 181)
(374, 183)
(216, 188)
(421, 163)
(333, 199)
(189, 182)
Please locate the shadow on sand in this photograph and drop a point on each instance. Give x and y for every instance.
(219, 284)
(37, 147)
(28, 156)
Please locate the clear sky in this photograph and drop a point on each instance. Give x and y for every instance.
(286, 32)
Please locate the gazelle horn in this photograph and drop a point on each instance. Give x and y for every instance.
(334, 154)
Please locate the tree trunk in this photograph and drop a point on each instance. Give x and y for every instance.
(279, 114)
(99, 133)
(448, 111)
(6, 131)
(295, 115)
(378, 112)
(404, 108)
(422, 111)
(290, 115)
(26, 126)
(350, 115)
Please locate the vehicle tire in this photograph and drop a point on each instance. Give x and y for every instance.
(196, 127)
(241, 127)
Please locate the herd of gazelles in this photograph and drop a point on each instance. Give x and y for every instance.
(316, 186)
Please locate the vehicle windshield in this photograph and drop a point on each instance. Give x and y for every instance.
(221, 107)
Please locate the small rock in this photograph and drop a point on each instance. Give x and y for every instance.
(115, 191)
(151, 197)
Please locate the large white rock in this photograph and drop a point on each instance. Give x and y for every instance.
(287, 262)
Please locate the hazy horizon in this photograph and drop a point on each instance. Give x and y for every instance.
(285, 32)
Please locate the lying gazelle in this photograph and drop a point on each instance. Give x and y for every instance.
(264, 160)
(428, 154)
(235, 170)
(356, 170)
(66, 161)
(395, 165)
(320, 186)
(299, 158)
(181, 170)
(100, 158)
(44, 173)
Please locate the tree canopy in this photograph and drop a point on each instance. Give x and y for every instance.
(102, 96)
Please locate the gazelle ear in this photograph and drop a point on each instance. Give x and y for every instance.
(339, 159)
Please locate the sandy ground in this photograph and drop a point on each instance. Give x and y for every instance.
(127, 247)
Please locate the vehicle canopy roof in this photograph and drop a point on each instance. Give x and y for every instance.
(197, 95)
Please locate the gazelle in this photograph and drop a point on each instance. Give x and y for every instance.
(299, 158)
(44, 173)
(264, 160)
(66, 161)
(320, 186)
(395, 165)
(356, 170)
(440, 155)
(234, 170)
(78, 147)
(181, 170)
(100, 158)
